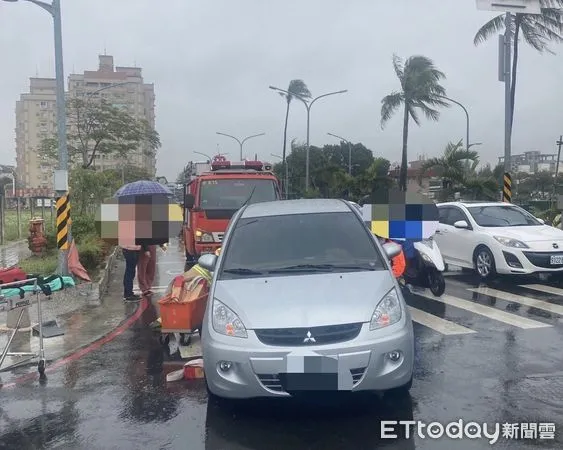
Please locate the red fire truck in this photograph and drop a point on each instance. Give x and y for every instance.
(212, 197)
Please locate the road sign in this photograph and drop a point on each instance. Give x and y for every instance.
(511, 6)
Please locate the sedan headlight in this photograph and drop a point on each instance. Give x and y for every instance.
(204, 236)
(226, 322)
(388, 311)
(510, 242)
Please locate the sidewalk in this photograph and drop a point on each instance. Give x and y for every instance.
(12, 253)
(82, 323)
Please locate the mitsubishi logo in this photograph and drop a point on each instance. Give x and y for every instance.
(555, 245)
(309, 338)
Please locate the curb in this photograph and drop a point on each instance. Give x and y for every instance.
(85, 349)
(93, 291)
(97, 289)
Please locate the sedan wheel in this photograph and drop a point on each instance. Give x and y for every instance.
(484, 263)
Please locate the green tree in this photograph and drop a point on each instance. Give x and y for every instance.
(420, 91)
(537, 30)
(458, 169)
(101, 128)
(296, 88)
(327, 165)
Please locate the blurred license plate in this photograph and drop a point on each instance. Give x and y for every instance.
(555, 260)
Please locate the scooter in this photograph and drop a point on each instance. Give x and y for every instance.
(427, 270)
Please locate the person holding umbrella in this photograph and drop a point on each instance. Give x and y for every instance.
(142, 203)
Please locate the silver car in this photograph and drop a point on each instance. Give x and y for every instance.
(303, 299)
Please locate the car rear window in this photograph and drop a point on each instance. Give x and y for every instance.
(264, 243)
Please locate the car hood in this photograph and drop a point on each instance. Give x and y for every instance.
(538, 233)
(305, 300)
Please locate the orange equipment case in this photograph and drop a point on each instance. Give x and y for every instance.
(182, 310)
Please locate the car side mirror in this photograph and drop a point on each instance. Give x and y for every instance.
(392, 249)
(540, 220)
(207, 261)
(189, 201)
(461, 224)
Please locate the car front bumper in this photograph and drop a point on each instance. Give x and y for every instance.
(526, 261)
(258, 370)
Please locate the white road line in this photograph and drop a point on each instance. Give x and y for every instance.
(532, 302)
(543, 288)
(437, 324)
(491, 313)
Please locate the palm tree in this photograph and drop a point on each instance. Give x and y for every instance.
(537, 29)
(296, 88)
(457, 166)
(420, 90)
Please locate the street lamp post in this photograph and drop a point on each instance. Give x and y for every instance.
(308, 105)
(349, 151)
(241, 143)
(467, 145)
(61, 175)
(203, 154)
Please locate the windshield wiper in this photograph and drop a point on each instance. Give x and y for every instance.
(242, 271)
(321, 268)
(304, 268)
(353, 266)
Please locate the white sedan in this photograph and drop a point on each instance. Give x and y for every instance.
(497, 238)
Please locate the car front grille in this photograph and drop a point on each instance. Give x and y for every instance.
(294, 337)
(542, 259)
(273, 381)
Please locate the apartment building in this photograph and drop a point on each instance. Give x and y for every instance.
(533, 162)
(123, 87)
(35, 120)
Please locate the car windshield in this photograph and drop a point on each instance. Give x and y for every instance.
(301, 243)
(502, 216)
(232, 193)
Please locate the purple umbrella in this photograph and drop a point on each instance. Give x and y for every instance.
(143, 187)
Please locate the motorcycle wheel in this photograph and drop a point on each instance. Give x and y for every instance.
(436, 283)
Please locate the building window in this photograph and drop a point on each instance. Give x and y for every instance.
(44, 105)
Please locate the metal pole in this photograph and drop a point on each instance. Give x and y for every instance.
(349, 158)
(559, 145)
(308, 105)
(61, 118)
(507, 86)
(349, 151)
(467, 144)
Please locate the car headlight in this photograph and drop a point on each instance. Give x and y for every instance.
(510, 242)
(226, 322)
(204, 236)
(388, 311)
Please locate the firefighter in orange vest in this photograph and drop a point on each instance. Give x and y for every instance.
(398, 263)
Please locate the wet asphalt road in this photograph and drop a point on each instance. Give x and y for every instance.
(501, 361)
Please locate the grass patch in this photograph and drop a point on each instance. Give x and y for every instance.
(40, 265)
(11, 223)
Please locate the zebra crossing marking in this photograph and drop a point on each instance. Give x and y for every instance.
(486, 311)
(543, 288)
(437, 324)
(527, 301)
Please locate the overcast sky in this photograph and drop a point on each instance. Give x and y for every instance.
(213, 60)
